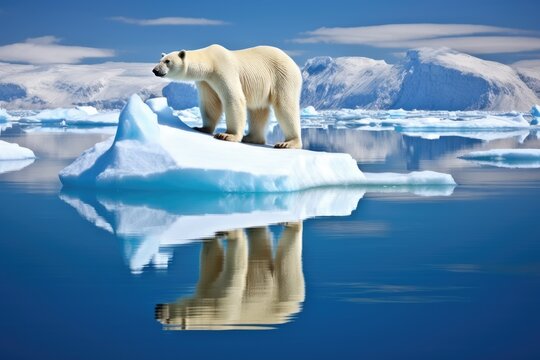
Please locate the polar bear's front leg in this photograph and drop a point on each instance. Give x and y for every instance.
(234, 103)
(210, 107)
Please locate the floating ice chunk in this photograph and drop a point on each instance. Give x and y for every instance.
(146, 155)
(510, 158)
(486, 123)
(5, 116)
(60, 114)
(99, 119)
(10, 151)
(309, 111)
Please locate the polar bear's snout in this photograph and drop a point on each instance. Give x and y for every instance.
(160, 70)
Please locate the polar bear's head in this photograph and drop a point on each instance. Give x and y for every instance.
(171, 65)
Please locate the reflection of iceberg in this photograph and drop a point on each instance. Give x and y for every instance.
(151, 222)
(14, 165)
(243, 286)
(146, 155)
(508, 158)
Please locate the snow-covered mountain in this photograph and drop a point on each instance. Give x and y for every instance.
(425, 79)
(428, 79)
(105, 86)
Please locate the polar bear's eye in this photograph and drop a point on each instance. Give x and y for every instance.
(167, 61)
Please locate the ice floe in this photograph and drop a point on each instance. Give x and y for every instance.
(81, 116)
(10, 151)
(509, 158)
(5, 116)
(14, 157)
(146, 155)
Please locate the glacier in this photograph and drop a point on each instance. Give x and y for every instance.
(508, 158)
(146, 155)
(428, 79)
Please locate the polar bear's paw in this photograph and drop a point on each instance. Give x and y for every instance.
(291, 144)
(228, 137)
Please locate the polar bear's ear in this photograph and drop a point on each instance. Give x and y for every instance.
(182, 54)
(163, 54)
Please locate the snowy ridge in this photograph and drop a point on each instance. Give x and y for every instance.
(104, 86)
(147, 155)
(428, 79)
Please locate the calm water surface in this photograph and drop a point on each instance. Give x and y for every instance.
(377, 273)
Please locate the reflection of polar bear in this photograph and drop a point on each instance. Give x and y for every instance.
(243, 285)
(231, 81)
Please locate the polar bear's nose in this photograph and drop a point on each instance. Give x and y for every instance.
(156, 72)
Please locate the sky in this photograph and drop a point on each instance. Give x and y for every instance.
(46, 32)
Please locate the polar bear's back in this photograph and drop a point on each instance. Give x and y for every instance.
(266, 71)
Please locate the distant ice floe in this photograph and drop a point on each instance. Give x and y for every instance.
(80, 116)
(5, 116)
(508, 158)
(14, 157)
(146, 155)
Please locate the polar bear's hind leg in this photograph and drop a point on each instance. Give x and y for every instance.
(258, 118)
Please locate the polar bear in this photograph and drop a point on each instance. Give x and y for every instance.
(233, 81)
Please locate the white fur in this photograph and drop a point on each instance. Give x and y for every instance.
(235, 81)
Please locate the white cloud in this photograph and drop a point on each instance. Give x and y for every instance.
(47, 50)
(477, 39)
(175, 21)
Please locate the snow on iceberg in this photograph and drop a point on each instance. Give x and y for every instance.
(509, 158)
(10, 151)
(146, 155)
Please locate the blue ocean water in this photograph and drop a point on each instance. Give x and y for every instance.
(382, 273)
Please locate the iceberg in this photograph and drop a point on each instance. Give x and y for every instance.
(5, 116)
(14, 157)
(146, 155)
(509, 158)
(10, 151)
